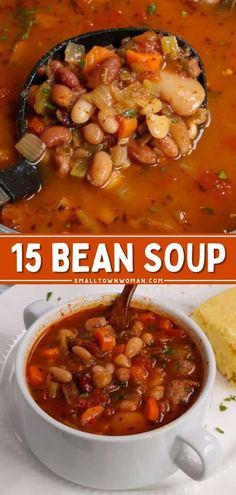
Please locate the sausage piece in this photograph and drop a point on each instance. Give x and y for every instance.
(180, 391)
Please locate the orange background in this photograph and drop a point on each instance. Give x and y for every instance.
(224, 272)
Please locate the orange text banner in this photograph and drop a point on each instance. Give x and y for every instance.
(117, 259)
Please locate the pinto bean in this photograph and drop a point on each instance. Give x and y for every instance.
(137, 328)
(166, 146)
(147, 338)
(66, 76)
(56, 136)
(141, 154)
(105, 73)
(82, 353)
(180, 135)
(60, 375)
(93, 134)
(61, 95)
(52, 67)
(100, 169)
(63, 115)
(123, 374)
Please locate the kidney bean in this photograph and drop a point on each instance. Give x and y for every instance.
(64, 118)
(56, 136)
(85, 383)
(52, 67)
(67, 77)
(93, 134)
(61, 95)
(141, 154)
(105, 72)
(166, 146)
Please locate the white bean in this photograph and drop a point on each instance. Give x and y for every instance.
(122, 360)
(133, 347)
(158, 125)
(82, 353)
(82, 111)
(102, 379)
(108, 121)
(184, 94)
(60, 375)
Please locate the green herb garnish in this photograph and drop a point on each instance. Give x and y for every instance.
(222, 174)
(230, 398)
(25, 16)
(151, 8)
(169, 351)
(184, 13)
(48, 105)
(130, 113)
(219, 430)
(222, 407)
(82, 64)
(85, 395)
(207, 210)
(3, 37)
(162, 170)
(48, 296)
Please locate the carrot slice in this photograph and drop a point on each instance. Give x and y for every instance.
(35, 375)
(151, 409)
(138, 374)
(51, 353)
(105, 339)
(127, 126)
(91, 414)
(95, 56)
(144, 61)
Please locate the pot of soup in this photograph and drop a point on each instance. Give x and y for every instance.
(113, 409)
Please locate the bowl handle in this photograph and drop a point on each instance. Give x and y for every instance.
(198, 453)
(34, 311)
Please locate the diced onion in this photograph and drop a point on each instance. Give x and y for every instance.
(119, 156)
(101, 97)
(74, 53)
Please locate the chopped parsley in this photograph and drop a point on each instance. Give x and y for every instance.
(82, 64)
(219, 430)
(230, 398)
(222, 174)
(169, 351)
(3, 37)
(222, 407)
(151, 8)
(184, 13)
(162, 170)
(25, 17)
(207, 210)
(85, 395)
(48, 105)
(130, 113)
(48, 296)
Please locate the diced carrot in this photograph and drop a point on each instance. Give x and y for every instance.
(95, 56)
(91, 414)
(35, 375)
(144, 61)
(119, 349)
(36, 125)
(164, 323)
(138, 374)
(51, 353)
(146, 315)
(151, 409)
(127, 126)
(105, 339)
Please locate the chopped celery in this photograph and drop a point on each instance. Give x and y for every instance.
(42, 98)
(53, 389)
(170, 46)
(80, 167)
(152, 87)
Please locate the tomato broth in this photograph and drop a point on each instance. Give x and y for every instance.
(195, 193)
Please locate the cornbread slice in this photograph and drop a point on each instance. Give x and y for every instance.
(217, 318)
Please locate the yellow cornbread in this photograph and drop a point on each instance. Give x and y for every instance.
(217, 318)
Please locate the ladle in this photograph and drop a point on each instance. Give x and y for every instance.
(119, 313)
(23, 179)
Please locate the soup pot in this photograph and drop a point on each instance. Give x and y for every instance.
(118, 462)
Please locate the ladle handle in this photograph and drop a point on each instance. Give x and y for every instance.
(18, 182)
